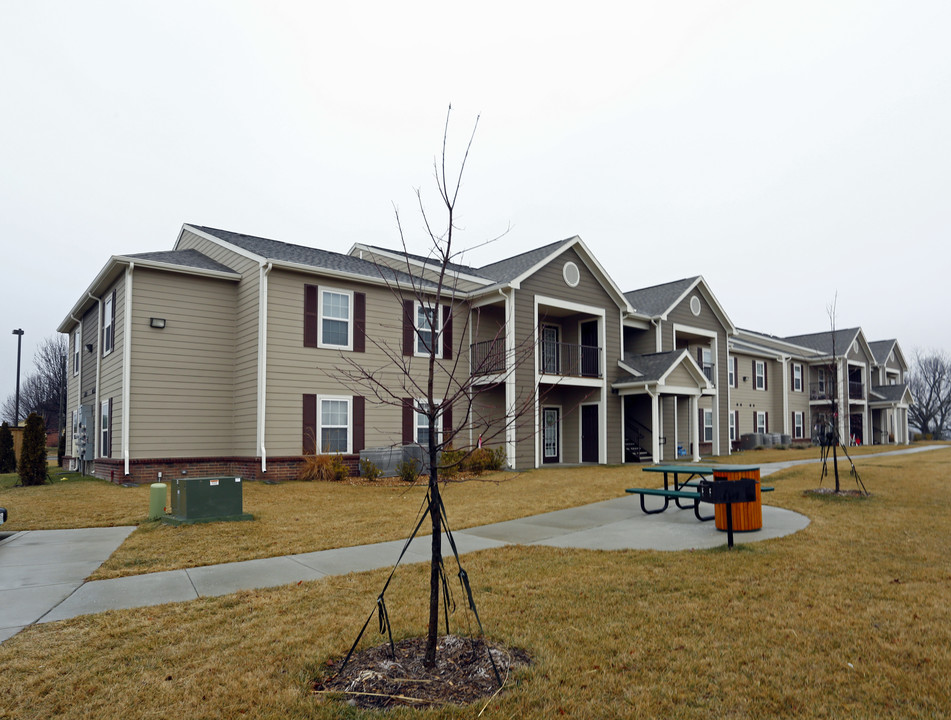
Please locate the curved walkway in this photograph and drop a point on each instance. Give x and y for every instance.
(42, 572)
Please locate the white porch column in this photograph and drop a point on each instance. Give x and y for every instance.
(695, 426)
(655, 428)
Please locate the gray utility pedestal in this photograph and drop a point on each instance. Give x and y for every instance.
(206, 499)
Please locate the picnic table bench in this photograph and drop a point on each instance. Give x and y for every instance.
(689, 489)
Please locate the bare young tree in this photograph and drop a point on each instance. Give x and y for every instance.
(431, 372)
(930, 386)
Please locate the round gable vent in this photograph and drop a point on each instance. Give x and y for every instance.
(695, 305)
(571, 274)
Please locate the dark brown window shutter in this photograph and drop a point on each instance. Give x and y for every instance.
(359, 322)
(409, 334)
(310, 316)
(766, 420)
(736, 425)
(736, 373)
(409, 421)
(700, 424)
(447, 423)
(765, 376)
(309, 443)
(447, 332)
(359, 413)
(755, 429)
(112, 331)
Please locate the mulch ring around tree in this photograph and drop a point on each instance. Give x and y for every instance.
(839, 493)
(463, 674)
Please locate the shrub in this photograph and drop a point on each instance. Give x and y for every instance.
(8, 458)
(408, 470)
(32, 466)
(324, 468)
(451, 462)
(498, 458)
(369, 470)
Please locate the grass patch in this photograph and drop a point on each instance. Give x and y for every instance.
(847, 618)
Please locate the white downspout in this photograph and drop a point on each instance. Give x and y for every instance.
(510, 429)
(126, 368)
(786, 419)
(78, 373)
(262, 358)
(655, 426)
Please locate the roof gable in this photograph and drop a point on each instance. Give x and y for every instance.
(658, 301)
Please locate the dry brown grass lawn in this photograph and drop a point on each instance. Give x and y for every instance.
(847, 619)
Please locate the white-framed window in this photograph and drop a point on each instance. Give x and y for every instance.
(799, 425)
(797, 377)
(427, 325)
(108, 314)
(104, 429)
(707, 426)
(333, 424)
(421, 431)
(760, 375)
(761, 421)
(335, 319)
(732, 426)
(731, 371)
(77, 343)
(821, 381)
(706, 357)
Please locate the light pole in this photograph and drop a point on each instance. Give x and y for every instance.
(16, 420)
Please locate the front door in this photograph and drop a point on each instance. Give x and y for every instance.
(589, 433)
(590, 359)
(551, 432)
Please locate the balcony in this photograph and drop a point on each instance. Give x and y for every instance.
(487, 357)
(820, 391)
(569, 360)
(856, 390)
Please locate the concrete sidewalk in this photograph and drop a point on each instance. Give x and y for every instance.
(42, 572)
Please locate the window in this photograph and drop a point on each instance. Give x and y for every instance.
(706, 357)
(731, 372)
(761, 424)
(821, 384)
(77, 341)
(708, 426)
(108, 323)
(422, 424)
(427, 325)
(797, 377)
(798, 425)
(105, 429)
(759, 374)
(551, 354)
(732, 427)
(335, 327)
(334, 425)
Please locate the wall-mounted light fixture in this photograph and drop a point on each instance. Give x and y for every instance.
(89, 347)
(746, 378)
(158, 323)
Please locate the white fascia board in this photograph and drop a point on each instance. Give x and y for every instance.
(755, 351)
(434, 266)
(761, 340)
(680, 298)
(638, 322)
(184, 269)
(692, 367)
(111, 270)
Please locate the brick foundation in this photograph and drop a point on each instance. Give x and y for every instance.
(147, 470)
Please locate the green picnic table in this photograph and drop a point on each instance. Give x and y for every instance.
(685, 490)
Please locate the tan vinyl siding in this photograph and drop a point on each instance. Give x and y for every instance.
(182, 377)
(246, 338)
(294, 370)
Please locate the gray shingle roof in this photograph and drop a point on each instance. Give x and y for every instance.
(453, 267)
(890, 393)
(881, 349)
(651, 366)
(185, 258)
(510, 268)
(823, 342)
(302, 255)
(657, 299)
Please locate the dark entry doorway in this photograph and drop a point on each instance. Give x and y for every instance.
(589, 433)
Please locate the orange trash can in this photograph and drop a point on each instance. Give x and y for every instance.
(747, 516)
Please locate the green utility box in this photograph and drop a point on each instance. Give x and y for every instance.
(206, 499)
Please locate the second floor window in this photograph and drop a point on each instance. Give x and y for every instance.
(77, 342)
(731, 371)
(759, 374)
(335, 325)
(108, 323)
(797, 377)
(427, 324)
(706, 357)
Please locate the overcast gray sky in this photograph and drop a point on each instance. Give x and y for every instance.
(786, 151)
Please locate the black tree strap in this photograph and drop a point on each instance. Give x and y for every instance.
(464, 581)
(380, 604)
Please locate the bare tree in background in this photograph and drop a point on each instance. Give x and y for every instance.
(930, 386)
(41, 392)
(436, 325)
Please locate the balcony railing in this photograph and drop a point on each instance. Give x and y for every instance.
(568, 359)
(487, 356)
(856, 390)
